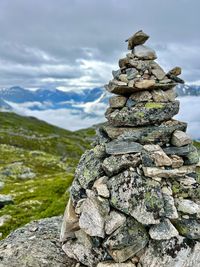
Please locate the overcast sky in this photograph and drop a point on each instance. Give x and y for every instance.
(75, 44)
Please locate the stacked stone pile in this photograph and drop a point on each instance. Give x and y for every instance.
(135, 198)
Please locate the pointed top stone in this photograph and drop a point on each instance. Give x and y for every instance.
(137, 39)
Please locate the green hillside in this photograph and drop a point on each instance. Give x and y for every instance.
(37, 161)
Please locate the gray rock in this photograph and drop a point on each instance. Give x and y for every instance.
(123, 78)
(136, 196)
(35, 244)
(114, 221)
(179, 151)
(117, 147)
(163, 96)
(189, 228)
(163, 231)
(168, 173)
(92, 219)
(116, 73)
(144, 52)
(160, 134)
(157, 71)
(192, 157)
(101, 187)
(114, 264)
(117, 101)
(82, 250)
(131, 73)
(125, 242)
(180, 138)
(89, 167)
(143, 114)
(5, 200)
(188, 206)
(70, 223)
(169, 207)
(137, 39)
(142, 96)
(115, 164)
(176, 252)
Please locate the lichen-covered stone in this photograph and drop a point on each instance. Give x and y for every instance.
(136, 196)
(188, 206)
(125, 242)
(176, 252)
(163, 231)
(160, 134)
(170, 210)
(143, 114)
(179, 151)
(89, 168)
(115, 164)
(189, 228)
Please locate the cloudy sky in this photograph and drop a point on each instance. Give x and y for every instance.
(75, 44)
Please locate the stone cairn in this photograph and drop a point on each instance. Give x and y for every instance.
(135, 198)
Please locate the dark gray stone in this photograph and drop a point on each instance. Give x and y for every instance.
(115, 164)
(89, 168)
(143, 114)
(117, 147)
(180, 151)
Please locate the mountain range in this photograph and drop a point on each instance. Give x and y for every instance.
(45, 98)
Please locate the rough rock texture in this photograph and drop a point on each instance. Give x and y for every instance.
(136, 194)
(35, 245)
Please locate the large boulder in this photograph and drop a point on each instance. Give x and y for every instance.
(35, 245)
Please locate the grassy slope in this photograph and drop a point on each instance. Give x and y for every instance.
(49, 152)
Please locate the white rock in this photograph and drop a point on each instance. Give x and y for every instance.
(163, 231)
(180, 138)
(187, 206)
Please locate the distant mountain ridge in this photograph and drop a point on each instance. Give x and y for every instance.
(59, 99)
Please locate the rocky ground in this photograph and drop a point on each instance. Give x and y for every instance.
(35, 245)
